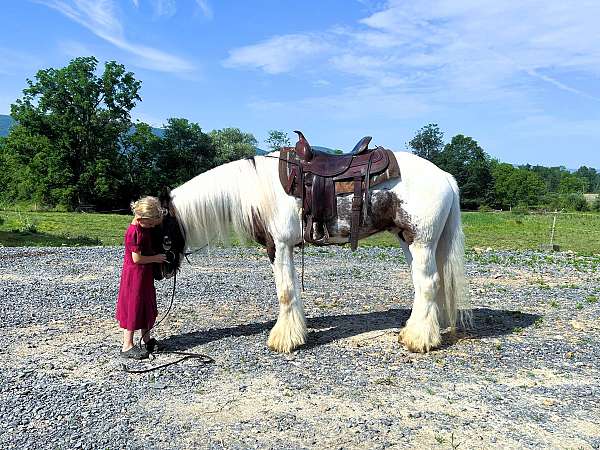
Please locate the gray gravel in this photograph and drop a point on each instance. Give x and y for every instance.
(525, 377)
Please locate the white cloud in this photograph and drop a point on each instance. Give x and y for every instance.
(99, 16)
(164, 8)
(205, 8)
(279, 54)
(472, 50)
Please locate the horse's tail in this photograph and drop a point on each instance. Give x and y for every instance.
(450, 260)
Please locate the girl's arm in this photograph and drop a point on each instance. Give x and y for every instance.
(141, 259)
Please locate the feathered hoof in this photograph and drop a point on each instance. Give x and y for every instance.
(417, 340)
(285, 341)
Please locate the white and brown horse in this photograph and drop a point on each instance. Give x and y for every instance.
(421, 208)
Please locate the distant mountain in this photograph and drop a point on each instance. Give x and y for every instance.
(5, 123)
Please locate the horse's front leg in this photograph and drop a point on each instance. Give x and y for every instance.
(289, 331)
(422, 330)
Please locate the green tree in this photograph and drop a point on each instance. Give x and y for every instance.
(141, 150)
(33, 169)
(232, 144)
(428, 142)
(516, 186)
(83, 116)
(470, 165)
(277, 139)
(572, 184)
(591, 176)
(184, 152)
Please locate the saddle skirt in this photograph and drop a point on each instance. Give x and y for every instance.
(318, 179)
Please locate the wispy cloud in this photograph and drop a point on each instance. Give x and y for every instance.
(100, 17)
(164, 8)
(205, 8)
(470, 50)
(279, 54)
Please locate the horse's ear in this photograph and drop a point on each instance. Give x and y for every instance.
(165, 197)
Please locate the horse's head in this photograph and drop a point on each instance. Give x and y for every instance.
(169, 239)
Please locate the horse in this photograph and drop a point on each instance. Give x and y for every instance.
(421, 208)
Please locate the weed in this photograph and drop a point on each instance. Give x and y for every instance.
(518, 330)
(538, 322)
(386, 381)
(554, 303)
(440, 439)
(579, 305)
(591, 299)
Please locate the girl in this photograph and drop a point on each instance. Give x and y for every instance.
(136, 305)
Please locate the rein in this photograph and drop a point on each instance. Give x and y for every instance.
(204, 359)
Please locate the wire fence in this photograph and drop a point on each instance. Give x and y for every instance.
(543, 230)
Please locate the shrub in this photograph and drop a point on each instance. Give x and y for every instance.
(574, 202)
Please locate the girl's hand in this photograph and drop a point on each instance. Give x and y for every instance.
(160, 258)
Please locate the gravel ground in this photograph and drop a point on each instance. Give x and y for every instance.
(526, 376)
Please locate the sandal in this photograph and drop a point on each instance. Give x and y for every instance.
(152, 345)
(135, 352)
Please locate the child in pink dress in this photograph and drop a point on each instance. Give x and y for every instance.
(136, 305)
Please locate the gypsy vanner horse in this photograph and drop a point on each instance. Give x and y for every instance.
(421, 207)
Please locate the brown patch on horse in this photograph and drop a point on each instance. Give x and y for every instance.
(386, 213)
(262, 236)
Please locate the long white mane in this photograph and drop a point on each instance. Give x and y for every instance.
(227, 198)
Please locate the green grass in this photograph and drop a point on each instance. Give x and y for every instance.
(57, 228)
(508, 231)
(578, 233)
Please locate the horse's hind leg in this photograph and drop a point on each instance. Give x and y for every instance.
(422, 330)
(289, 331)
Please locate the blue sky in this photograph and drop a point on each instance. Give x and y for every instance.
(520, 77)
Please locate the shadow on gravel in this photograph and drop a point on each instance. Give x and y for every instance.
(325, 329)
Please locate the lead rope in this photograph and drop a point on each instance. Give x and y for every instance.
(204, 359)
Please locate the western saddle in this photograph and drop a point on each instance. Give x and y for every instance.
(318, 178)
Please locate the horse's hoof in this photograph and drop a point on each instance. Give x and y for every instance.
(416, 341)
(284, 344)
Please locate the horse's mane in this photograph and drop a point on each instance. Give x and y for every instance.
(229, 198)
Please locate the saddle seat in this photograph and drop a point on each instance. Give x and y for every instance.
(317, 179)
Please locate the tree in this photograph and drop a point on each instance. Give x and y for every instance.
(141, 149)
(185, 151)
(470, 165)
(572, 184)
(83, 116)
(277, 139)
(232, 144)
(428, 142)
(33, 169)
(591, 176)
(516, 186)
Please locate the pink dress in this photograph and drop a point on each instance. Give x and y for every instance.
(136, 305)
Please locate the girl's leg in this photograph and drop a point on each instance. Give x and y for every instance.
(127, 340)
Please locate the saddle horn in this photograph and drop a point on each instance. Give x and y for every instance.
(303, 147)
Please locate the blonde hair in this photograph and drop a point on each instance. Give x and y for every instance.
(148, 208)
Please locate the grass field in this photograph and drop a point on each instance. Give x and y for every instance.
(579, 233)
